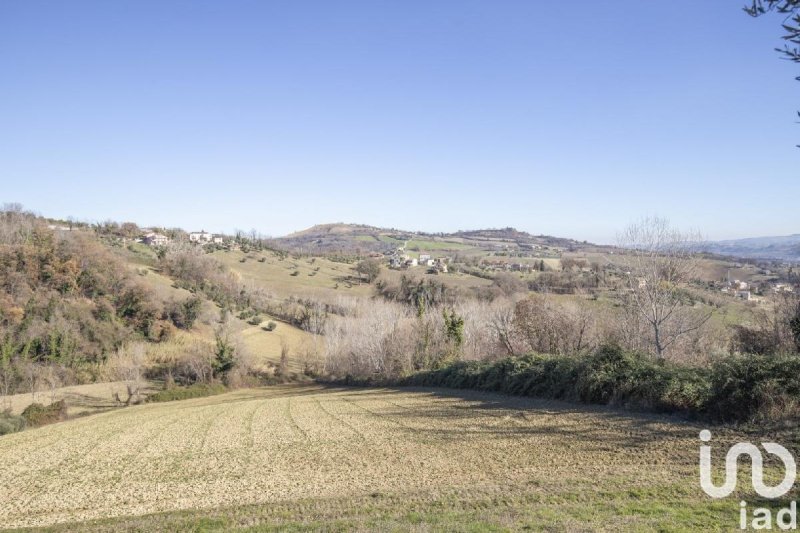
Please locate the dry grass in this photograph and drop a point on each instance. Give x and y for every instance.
(266, 345)
(358, 459)
(316, 277)
(81, 399)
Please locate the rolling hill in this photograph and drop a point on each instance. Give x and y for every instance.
(783, 248)
(360, 238)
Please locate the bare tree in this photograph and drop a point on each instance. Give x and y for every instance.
(129, 363)
(662, 260)
(501, 325)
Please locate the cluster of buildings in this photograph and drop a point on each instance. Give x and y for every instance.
(400, 259)
(505, 266)
(204, 237)
(744, 291)
(153, 238)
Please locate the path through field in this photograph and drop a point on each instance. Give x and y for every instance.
(361, 458)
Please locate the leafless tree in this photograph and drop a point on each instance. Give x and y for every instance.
(129, 363)
(545, 325)
(501, 324)
(661, 261)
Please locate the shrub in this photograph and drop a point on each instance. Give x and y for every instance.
(184, 314)
(11, 423)
(198, 390)
(742, 388)
(608, 376)
(748, 387)
(255, 321)
(36, 414)
(270, 326)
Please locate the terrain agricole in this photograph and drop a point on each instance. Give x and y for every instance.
(309, 452)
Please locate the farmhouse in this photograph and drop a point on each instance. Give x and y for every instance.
(201, 237)
(155, 239)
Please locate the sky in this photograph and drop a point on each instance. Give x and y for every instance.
(563, 118)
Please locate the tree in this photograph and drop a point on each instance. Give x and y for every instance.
(794, 326)
(224, 352)
(184, 314)
(791, 24)
(509, 284)
(454, 331)
(662, 262)
(369, 269)
(129, 362)
(7, 351)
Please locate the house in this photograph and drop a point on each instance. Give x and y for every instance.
(782, 287)
(155, 239)
(201, 237)
(412, 262)
(424, 258)
(218, 239)
(744, 295)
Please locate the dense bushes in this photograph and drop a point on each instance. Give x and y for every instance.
(10, 423)
(198, 390)
(66, 304)
(36, 414)
(736, 388)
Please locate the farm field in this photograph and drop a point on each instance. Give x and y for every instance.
(297, 457)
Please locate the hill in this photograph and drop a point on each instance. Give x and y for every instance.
(785, 248)
(359, 238)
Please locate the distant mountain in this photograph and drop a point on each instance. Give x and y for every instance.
(786, 248)
(360, 238)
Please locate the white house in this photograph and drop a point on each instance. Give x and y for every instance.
(201, 237)
(155, 239)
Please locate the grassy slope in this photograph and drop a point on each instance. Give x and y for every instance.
(364, 459)
(275, 274)
(266, 346)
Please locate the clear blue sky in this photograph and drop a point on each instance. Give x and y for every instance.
(566, 118)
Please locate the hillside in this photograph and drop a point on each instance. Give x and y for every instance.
(359, 238)
(309, 457)
(785, 248)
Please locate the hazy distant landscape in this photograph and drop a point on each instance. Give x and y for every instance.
(785, 248)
